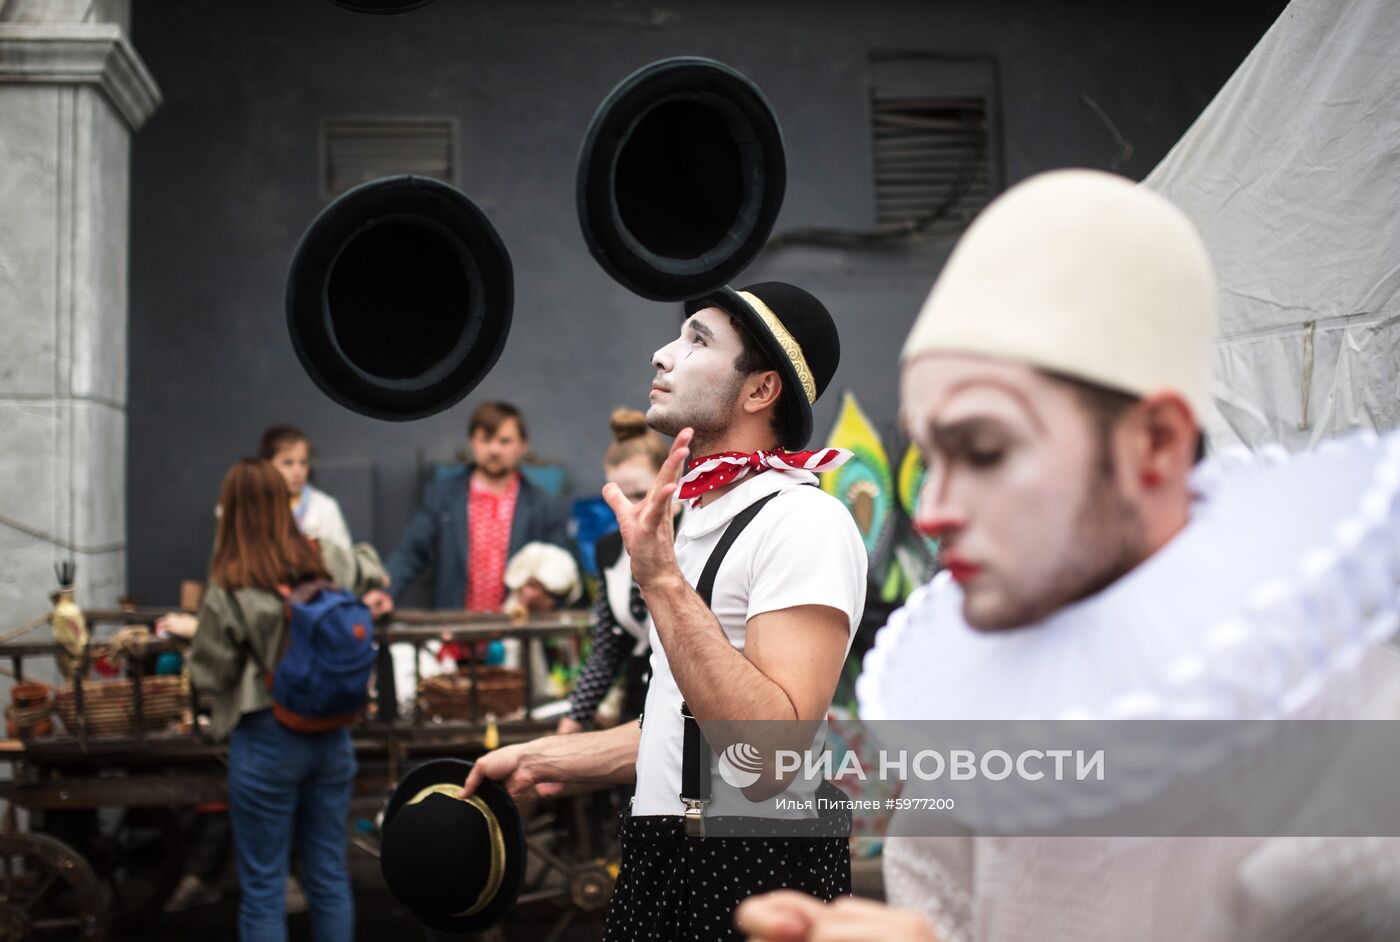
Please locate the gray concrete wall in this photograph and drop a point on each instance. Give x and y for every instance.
(225, 179)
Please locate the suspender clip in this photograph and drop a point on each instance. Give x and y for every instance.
(694, 817)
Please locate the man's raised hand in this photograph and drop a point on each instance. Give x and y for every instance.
(646, 526)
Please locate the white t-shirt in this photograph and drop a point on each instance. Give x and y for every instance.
(803, 548)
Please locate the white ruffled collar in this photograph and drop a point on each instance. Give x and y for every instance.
(1284, 578)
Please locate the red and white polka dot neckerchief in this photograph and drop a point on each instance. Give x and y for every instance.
(714, 471)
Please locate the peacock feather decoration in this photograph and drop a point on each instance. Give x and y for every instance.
(864, 483)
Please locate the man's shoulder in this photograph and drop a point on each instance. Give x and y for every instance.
(528, 492)
(813, 506)
(808, 552)
(448, 481)
(801, 517)
(544, 511)
(527, 489)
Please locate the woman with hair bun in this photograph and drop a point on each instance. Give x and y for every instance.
(621, 625)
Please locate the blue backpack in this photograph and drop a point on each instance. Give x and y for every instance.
(320, 680)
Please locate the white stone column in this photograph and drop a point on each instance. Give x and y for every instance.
(72, 92)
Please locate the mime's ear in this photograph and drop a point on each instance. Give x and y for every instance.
(763, 390)
(1162, 437)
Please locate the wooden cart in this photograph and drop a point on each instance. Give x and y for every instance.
(105, 842)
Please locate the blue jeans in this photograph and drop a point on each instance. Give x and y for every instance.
(281, 785)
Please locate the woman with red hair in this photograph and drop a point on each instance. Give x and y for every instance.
(283, 785)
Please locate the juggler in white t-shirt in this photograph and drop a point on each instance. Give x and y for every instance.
(802, 548)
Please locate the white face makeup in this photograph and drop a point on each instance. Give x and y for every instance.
(696, 384)
(635, 476)
(1017, 490)
(294, 464)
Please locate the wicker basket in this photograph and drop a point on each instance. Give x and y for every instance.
(29, 709)
(110, 706)
(449, 696)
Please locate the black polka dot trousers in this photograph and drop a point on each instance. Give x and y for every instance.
(685, 889)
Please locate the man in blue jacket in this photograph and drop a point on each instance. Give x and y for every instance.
(469, 524)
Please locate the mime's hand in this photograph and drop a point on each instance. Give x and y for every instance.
(648, 531)
(789, 916)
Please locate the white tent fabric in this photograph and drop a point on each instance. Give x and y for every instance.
(1292, 174)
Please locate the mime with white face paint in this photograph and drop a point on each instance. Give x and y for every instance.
(1056, 382)
(736, 389)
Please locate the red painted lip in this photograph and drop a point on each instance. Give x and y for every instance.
(960, 570)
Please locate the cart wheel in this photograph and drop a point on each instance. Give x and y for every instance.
(140, 856)
(566, 883)
(49, 891)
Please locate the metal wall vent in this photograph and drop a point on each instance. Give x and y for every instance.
(932, 152)
(355, 150)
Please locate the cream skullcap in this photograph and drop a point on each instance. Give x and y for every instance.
(553, 567)
(1083, 273)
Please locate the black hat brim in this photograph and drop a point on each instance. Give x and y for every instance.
(798, 411)
(455, 771)
(460, 344)
(381, 7)
(712, 101)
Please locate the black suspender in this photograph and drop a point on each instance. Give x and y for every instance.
(695, 763)
(705, 588)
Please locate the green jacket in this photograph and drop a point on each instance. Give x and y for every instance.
(219, 665)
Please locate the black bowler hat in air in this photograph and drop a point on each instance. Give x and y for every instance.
(399, 298)
(455, 864)
(680, 178)
(796, 332)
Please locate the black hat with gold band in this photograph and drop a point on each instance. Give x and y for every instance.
(797, 333)
(456, 864)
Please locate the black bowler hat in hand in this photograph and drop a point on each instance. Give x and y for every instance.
(796, 332)
(456, 864)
